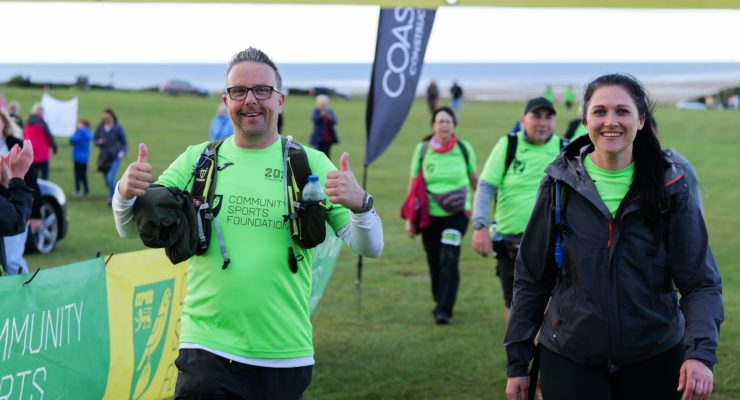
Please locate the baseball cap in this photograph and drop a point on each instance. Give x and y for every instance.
(537, 103)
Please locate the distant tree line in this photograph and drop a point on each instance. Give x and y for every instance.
(81, 83)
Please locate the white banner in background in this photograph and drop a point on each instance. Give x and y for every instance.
(60, 115)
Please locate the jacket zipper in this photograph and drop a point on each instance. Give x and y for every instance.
(611, 232)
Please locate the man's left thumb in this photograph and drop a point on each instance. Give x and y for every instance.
(344, 162)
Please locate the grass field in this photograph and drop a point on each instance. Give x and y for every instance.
(384, 344)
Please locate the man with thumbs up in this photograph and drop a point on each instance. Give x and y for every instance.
(246, 330)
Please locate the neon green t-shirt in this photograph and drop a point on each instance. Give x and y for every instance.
(517, 189)
(445, 172)
(255, 308)
(612, 186)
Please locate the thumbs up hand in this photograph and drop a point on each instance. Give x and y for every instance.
(342, 187)
(138, 176)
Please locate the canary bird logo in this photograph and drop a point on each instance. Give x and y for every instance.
(151, 317)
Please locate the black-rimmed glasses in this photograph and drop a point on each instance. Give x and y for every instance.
(261, 92)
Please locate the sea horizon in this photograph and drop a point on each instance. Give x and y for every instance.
(491, 81)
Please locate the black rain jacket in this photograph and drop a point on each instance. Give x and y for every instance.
(15, 207)
(613, 303)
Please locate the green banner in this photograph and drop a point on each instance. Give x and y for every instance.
(54, 339)
(90, 331)
(324, 260)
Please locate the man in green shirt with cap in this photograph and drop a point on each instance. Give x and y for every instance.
(514, 187)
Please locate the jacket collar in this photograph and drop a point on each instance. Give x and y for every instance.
(568, 168)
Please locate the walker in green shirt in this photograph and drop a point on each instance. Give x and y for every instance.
(517, 187)
(249, 205)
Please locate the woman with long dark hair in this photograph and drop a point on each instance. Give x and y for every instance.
(446, 164)
(111, 139)
(614, 232)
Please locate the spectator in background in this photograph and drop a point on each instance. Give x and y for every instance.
(221, 124)
(457, 95)
(549, 94)
(733, 102)
(40, 136)
(111, 139)
(80, 142)
(432, 96)
(324, 135)
(13, 246)
(14, 112)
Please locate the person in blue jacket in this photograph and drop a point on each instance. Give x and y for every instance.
(324, 135)
(80, 142)
(220, 124)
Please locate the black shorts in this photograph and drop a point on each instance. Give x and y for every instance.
(204, 375)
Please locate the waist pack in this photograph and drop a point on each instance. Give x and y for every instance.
(452, 201)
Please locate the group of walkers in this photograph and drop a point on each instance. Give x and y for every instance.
(594, 239)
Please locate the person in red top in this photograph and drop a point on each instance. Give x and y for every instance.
(324, 135)
(41, 139)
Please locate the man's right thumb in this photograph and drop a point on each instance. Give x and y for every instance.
(143, 152)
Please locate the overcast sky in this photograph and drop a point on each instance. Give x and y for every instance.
(211, 33)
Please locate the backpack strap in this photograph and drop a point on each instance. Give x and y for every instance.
(513, 140)
(559, 201)
(296, 171)
(204, 173)
(464, 152)
(423, 152)
(203, 193)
